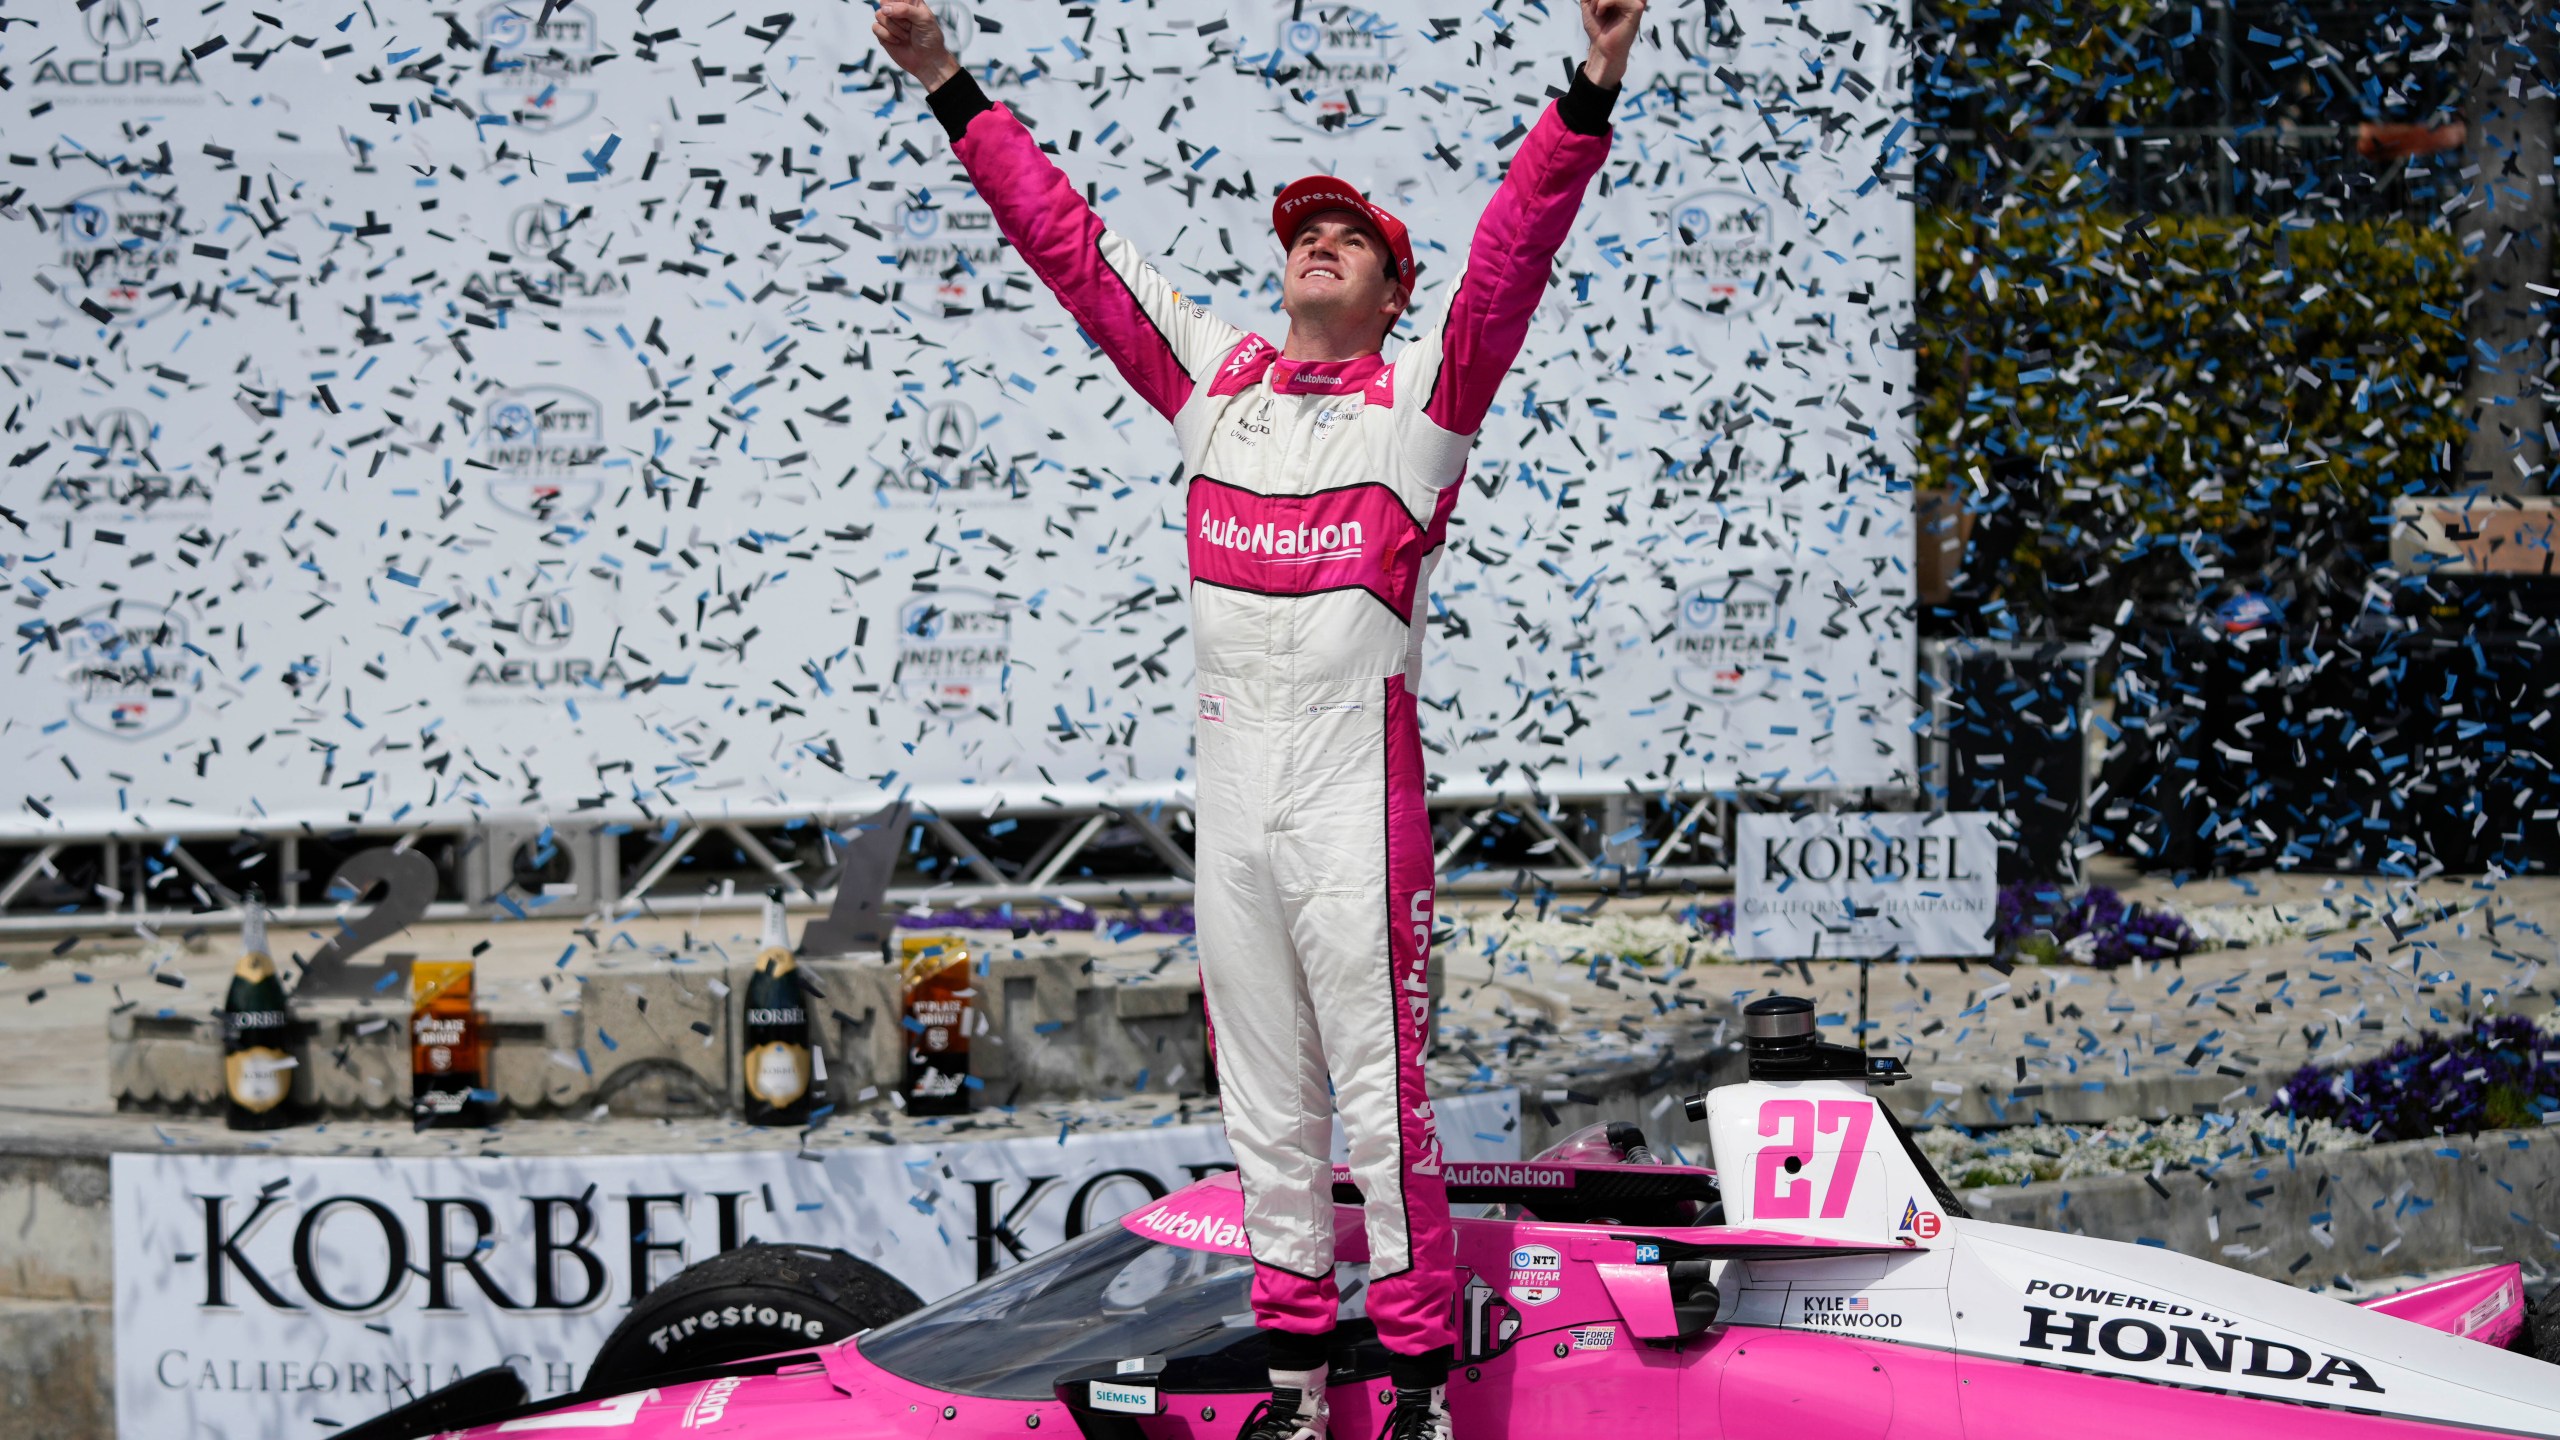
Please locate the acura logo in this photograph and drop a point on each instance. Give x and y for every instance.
(951, 429)
(535, 230)
(116, 24)
(544, 623)
(121, 431)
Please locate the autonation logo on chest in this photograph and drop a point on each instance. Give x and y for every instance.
(1864, 883)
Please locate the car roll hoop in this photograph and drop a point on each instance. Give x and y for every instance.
(1779, 1041)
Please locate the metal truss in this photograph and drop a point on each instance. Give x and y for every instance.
(90, 883)
(2242, 131)
(2219, 170)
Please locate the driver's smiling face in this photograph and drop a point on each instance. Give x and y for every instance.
(1337, 266)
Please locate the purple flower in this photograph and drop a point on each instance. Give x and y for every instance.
(2122, 931)
(1716, 919)
(2495, 1076)
(1043, 920)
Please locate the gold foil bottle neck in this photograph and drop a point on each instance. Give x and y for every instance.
(924, 956)
(440, 981)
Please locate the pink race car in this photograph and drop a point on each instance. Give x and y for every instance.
(1835, 1289)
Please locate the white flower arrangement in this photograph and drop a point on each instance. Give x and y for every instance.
(1517, 943)
(2238, 926)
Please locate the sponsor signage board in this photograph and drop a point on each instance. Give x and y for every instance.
(258, 1295)
(1851, 884)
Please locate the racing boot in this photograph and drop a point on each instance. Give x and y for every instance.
(1295, 1411)
(1419, 1415)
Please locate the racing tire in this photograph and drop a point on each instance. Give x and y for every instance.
(754, 1300)
(2541, 1337)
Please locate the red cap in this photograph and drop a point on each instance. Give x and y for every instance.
(1316, 193)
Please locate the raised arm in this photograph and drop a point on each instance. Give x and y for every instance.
(1480, 333)
(1157, 338)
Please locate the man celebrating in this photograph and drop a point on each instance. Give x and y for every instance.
(1320, 478)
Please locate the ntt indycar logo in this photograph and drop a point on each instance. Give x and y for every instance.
(1202, 1229)
(1299, 545)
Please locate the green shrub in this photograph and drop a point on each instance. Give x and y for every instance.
(2183, 377)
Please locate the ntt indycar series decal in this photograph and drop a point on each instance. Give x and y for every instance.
(1536, 1274)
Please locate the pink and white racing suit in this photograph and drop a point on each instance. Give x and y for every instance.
(1318, 494)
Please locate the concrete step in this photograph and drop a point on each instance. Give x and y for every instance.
(57, 1370)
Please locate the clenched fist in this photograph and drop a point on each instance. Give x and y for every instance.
(1612, 25)
(908, 30)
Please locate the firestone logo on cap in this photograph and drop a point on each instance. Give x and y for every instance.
(1325, 192)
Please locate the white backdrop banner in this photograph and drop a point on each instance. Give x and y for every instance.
(256, 1295)
(1851, 884)
(532, 410)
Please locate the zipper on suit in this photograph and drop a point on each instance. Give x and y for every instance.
(1286, 632)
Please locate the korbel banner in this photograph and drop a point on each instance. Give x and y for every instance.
(262, 1295)
(1864, 884)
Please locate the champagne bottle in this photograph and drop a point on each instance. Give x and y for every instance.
(257, 1071)
(777, 1048)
